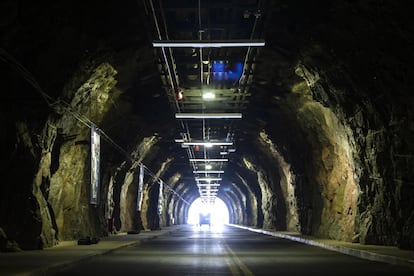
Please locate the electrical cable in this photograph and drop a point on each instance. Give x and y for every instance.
(54, 105)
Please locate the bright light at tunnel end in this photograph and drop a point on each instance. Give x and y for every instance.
(219, 214)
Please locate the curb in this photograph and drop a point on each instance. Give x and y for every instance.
(363, 254)
(66, 264)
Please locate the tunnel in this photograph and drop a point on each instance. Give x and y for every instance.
(117, 115)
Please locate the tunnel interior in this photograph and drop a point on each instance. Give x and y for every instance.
(324, 146)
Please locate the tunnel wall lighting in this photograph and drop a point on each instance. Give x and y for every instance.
(207, 43)
(208, 115)
(209, 160)
(208, 171)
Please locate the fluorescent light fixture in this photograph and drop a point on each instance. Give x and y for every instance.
(208, 184)
(208, 179)
(208, 167)
(208, 190)
(223, 153)
(179, 140)
(209, 95)
(207, 43)
(208, 115)
(208, 144)
(208, 160)
(231, 150)
(208, 171)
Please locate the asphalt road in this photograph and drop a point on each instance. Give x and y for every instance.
(228, 251)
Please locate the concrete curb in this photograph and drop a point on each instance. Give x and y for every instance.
(363, 254)
(54, 268)
(78, 260)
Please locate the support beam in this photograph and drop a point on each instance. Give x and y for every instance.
(208, 171)
(209, 160)
(207, 43)
(208, 115)
(208, 144)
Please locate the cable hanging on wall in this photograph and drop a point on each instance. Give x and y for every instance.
(61, 106)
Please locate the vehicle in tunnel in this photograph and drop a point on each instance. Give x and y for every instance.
(201, 213)
(204, 219)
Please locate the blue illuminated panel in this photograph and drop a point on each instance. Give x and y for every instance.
(223, 72)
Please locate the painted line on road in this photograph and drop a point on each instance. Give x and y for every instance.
(239, 264)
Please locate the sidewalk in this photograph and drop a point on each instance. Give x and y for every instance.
(66, 253)
(379, 253)
(44, 262)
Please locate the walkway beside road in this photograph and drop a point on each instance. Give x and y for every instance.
(378, 253)
(67, 253)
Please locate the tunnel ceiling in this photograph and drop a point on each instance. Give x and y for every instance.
(208, 86)
(323, 146)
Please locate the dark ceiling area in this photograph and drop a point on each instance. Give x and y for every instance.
(297, 114)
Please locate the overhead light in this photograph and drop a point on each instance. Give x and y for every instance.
(208, 189)
(208, 144)
(208, 160)
(208, 184)
(209, 95)
(208, 178)
(208, 167)
(208, 115)
(223, 153)
(231, 150)
(207, 43)
(208, 171)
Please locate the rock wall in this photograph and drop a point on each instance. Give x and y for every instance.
(334, 168)
(373, 135)
(287, 182)
(68, 191)
(268, 198)
(128, 194)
